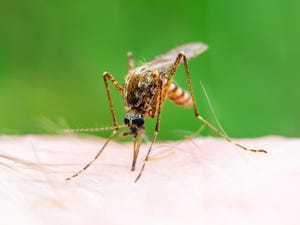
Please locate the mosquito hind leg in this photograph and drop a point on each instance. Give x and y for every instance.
(120, 89)
(174, 67)
(198, 116)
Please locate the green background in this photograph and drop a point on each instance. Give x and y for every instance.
(53, 54)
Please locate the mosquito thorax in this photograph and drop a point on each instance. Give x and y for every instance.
(135, 121)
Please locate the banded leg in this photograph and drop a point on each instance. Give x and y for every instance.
(131, 64)
(196, 112)
(120, 89)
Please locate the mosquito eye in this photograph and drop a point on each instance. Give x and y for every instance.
(126, 121)
(138, 122)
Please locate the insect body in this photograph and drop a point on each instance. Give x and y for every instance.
(146, 89)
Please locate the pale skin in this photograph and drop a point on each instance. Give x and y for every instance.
(193, 181)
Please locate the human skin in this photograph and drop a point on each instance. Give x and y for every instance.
(194, 181)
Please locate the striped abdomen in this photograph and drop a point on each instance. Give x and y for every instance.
(179, 96)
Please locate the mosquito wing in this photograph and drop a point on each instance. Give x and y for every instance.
(164, 61)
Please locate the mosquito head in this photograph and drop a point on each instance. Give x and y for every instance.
(135, 121)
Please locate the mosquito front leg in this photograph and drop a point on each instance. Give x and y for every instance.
(120, 89)
(106, 76)
(196, 112)
(131, 64)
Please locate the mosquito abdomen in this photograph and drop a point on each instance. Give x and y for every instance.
(179, 96)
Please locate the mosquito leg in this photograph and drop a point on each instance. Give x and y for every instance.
(106, 76)
(95, 158)
(197, 115)
(131, 64)
(116, 127)
(160, 104)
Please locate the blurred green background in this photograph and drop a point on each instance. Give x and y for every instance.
(53, 54)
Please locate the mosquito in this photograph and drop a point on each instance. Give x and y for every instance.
(145, 91)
